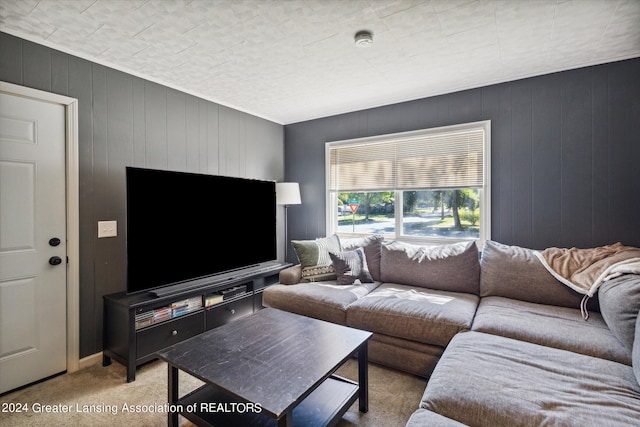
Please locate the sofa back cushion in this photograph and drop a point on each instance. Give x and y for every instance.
(515, 272)
(619, 305)
(453, 267)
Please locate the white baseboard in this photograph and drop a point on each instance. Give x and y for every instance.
(90, 360)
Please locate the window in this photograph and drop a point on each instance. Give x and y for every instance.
(427, 186)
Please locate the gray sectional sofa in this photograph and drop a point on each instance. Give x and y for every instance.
(501, 341)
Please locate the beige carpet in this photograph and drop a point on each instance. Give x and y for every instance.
(96, 396)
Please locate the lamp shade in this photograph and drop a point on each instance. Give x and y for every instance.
(288, 193)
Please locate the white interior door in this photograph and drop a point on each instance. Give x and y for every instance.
(33, 292)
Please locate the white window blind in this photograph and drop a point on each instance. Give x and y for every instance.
(436, 160)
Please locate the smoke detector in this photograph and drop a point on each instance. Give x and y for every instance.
(363, 39)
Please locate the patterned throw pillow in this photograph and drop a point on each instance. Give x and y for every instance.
(372, 251)
(351, 266)
(314, 258)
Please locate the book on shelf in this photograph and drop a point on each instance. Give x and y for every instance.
(213, 299)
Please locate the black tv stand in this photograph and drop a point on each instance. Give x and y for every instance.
(136, 326)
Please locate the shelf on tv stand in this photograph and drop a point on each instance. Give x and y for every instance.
(133, 347)
(217, 279)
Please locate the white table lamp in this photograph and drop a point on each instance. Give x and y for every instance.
(287, 194)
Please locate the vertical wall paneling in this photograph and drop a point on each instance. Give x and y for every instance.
(546, 161)
(155, 106)
(491, 111)
(128, 121)
(624, 152)
(223, 141)
(252, 157)
(262, 156)
(465, 106)
(120, 146)
(59, 73)
(501, 162)
(37, 67)
(100, 194)
(601, 143)
(443, 110)
(231, 142)
(428, 113)
(176, 130)
(203, 132)
(577, 146)
(521, 155)
(192, 135)
(563, 148)
(11, 59)
(139, 123)
(243, 120)
(212, 142)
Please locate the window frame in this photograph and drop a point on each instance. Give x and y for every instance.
(484, 191)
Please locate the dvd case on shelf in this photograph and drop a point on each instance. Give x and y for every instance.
(162, 314)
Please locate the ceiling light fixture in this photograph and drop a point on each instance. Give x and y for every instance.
(363, 38)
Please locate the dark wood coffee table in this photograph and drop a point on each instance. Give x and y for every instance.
(270, 368)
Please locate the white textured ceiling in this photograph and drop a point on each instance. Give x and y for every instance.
(294, 60)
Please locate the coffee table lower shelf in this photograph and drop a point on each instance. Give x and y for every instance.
(325, 406)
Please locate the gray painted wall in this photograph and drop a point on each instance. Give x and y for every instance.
(128, 121)
(565, 154)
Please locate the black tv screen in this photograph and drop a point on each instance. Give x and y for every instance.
(184, 226)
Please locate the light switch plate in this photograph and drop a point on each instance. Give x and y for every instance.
(107, 229)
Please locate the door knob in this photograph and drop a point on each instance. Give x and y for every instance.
(55, 260)
(54, 242)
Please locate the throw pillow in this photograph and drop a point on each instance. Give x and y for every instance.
(372, 246)
(351, 266)
(453, 267)
(619, 305)
(314, 258)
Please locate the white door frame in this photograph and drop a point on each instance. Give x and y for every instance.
(73, 211)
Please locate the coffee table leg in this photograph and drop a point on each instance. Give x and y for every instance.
(172, 382)
(286, 420)
(363, 377)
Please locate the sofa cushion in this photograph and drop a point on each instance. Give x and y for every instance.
(314, 258)
(422, 418)
(488, 380)
(351, 266)
(515, 272)
(371, 246)
(321, 300)
(414, 313)
(417, 358)
(453, 267)
(619, 304)
(552, 326)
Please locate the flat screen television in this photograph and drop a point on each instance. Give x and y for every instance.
(185, 226)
